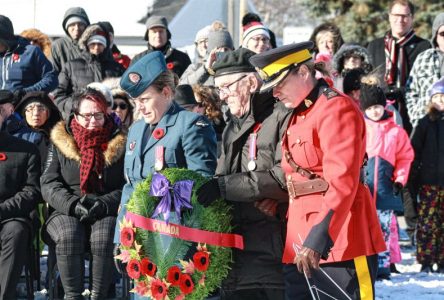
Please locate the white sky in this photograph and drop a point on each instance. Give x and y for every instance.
(47, 15)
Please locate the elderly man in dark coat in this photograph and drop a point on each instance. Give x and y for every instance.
(19, 195)
(249, 176)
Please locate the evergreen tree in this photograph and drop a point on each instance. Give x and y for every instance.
(363, 20)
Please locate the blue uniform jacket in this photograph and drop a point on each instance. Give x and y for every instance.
(189, 142)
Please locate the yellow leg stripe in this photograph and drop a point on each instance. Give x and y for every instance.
(364, 279)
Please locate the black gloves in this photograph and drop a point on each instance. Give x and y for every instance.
(90, 209)
(208, 192)
(81, 212)
(96, 208)
(397, 188)
(120, 266)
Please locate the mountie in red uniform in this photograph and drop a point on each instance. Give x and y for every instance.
(326, 136)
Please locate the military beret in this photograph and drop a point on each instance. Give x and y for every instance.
(7, 96)
(236, 61)
(185, 95)
(139, 76)
(274, 65)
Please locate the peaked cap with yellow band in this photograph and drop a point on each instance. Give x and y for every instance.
(274, 65)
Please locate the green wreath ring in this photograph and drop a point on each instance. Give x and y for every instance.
(166, 267)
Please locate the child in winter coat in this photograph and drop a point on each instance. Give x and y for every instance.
(390, 155)
(427, 179)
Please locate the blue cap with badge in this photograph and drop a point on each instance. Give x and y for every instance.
(139, 76)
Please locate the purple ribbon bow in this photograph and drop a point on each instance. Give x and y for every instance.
(181, 192)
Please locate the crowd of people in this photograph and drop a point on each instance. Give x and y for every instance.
(318, 146)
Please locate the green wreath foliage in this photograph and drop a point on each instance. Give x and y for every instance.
(215, 218)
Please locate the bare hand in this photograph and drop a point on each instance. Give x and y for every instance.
(267, 206)
(211, 59)
(306, 260)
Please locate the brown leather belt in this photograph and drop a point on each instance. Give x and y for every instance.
(302, 188)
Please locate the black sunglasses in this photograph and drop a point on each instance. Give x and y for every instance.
(122, 106)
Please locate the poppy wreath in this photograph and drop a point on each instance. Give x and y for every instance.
(166, 267)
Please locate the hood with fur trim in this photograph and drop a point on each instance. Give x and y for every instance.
(66, 144)
(89, 32)
(347, 49)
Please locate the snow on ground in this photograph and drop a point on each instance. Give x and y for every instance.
(411, 284)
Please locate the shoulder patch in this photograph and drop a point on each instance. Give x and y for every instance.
(330, 93)
(202, 123)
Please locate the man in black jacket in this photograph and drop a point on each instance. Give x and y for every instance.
(158, 37)
(19, 195)
(66, 48)
(396, 52)
(249, 176)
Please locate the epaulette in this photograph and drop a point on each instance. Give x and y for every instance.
(330, 93)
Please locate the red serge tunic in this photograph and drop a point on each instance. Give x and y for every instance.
(326, 135)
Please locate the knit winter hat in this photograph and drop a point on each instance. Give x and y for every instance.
(252, 29)
(75, 19)
(156, 21)
(97, 38)
(219, 39)
(203, 34)
(437, 88)
(6, 30)
(104, 90)
(352, 80)
(371, 94)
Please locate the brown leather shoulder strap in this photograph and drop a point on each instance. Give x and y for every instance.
(304, 172)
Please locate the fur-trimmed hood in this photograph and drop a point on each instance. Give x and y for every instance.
(89, 32)
(66, 144)
(347, 49)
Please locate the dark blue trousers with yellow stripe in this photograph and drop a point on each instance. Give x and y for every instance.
(351, 279)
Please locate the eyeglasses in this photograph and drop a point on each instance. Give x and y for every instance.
(441, 33)
(98, 116)
(260, 38)
(401, 16)
(40, 108)
(122, 106)
(226, 88)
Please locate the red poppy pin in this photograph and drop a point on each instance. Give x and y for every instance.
(15, 57)
(132, 145)
(3, 156)
(170, 66)
(158, 133)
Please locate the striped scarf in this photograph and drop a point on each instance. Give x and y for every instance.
(393, 62)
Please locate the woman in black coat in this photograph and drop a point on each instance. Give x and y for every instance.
(94, 65)
(82, 183)
(40, 114)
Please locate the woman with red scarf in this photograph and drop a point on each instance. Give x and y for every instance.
(82, 184)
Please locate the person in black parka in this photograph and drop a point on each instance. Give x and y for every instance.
(158, 36)
(19, 195)
(82, 183)
(94, 65)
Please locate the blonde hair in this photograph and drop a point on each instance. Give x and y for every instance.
(370, 79)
